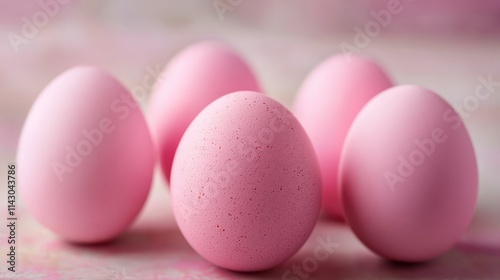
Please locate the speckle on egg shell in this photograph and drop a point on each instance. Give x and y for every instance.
(245, 185)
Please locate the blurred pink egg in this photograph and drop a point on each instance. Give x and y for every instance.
(326, 105)
(408, 175)
(85, 157)
(194, 78)
(245, 183)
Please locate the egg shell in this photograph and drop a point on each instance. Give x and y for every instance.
(245, 183)
(327, 103)
(195, 77)
(85, 157)
(408, 175)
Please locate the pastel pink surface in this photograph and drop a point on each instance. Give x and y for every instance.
(93, 193)
(423, 212)
(195, 77)
(327, 103)
(245, 183)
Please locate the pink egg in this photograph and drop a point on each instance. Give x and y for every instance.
(408, 175)
(245, 183)
(85, 157)
(194, 78)
(327, 103)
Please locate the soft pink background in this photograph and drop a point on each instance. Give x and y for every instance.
(441, 45)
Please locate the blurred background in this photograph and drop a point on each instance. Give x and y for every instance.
(444, 45)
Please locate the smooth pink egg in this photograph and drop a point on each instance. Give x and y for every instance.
(85, 157)
(408, 175)
(245, 183)
(327, 103)
(195, 77)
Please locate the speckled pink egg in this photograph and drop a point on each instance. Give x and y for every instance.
(408, 175)
(195, 77)
(327, 103)
(245, 183)
(85, 157)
